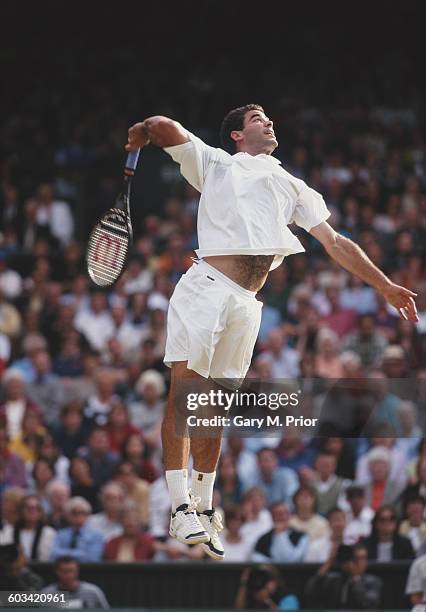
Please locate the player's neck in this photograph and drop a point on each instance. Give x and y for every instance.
(256, 150)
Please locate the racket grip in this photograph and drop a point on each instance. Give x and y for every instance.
(131, 161)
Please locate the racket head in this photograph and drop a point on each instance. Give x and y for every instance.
(108, 247)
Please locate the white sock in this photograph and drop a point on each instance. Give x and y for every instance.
(202, 486)
(177, 483)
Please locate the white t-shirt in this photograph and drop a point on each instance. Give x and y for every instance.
(246, 202)
(416, 582)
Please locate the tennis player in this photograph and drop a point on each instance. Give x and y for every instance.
(247, 201)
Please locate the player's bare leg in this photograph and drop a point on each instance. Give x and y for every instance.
(185, 525)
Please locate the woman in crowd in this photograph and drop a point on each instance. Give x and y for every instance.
(136, 452)
(31, 531)
(385, 544)
(305, 518)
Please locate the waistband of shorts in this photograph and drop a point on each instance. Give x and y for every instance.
(203, 266)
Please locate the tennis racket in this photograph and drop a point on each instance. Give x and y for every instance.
(111, 238)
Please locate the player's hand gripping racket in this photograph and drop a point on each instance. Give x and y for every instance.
(111, 238)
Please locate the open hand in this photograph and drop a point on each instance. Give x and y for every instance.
(403, 300)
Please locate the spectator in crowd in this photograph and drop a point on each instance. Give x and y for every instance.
(71, 432)
(329, 488)
(418, 486)
(10, 279)
(58, 493)
(367, 342)
(79, 594)
(12, 468)
(278, 484)
(16, 403)
(410, 430)
(82, 483)
(135, 451)
(95, 323)
(100, 458)
(133, 544)
(262, 588)
(78, 540)
(350, 587)
(284, 360)
(245, 459)
(359, 515)
(11, 500)
(305, 517)
(385, 544)
(27, 443)
(257, 517)
(99, 404)
(339, 319)
(295, 451)
(147, 411)
(333, 443)
(14, 572)
(41, 474)
(327, 357)
(136, 489)
(46, 390)
(282, 544)
(321, 549)
(414, 525)
(31, 344)
(54, 214)
(31, 531)
(237, 548)
(228, 481)
(380, 489)
(52, 453)
(10, 320)
(416, 582)
(118, 427)
(107, 522)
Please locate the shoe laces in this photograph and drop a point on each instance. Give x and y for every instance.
(193, 503)
(214, 517)
(216, 521)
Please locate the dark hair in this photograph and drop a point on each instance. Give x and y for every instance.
(310, 491)
(266, 449)
(415, 499)
(345, 553)
(234, 120)
(64, 559)
(355, 491)
(376, 518)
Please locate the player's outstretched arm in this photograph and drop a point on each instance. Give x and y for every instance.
(160, 131)
(351, 257)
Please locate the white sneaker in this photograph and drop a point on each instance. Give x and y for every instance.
(185, 525)
(212, 523)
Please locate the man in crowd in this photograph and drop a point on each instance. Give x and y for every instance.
(78, 594)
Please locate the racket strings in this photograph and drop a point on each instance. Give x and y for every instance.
(107, 253)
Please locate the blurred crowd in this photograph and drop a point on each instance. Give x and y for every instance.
(83, 384)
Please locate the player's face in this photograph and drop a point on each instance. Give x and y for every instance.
(259, 130)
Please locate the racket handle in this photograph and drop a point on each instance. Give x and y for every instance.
(131, 162)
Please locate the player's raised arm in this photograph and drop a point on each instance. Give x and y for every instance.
(160, 131)
(351, 257)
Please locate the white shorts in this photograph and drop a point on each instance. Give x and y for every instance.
(212, 323)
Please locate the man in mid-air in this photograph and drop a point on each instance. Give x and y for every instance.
(247, 201)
